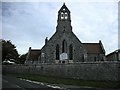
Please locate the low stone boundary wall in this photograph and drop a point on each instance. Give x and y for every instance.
(103, 71)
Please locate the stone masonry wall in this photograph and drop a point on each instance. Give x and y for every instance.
(105, 71)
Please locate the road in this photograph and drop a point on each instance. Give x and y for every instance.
(12, 83)
(18, 84)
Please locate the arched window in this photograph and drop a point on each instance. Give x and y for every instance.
(62, 15)
(66, 15)
(64, 46)
(57, 52)
(71, 52)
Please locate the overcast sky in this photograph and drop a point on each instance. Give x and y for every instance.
(27, 24)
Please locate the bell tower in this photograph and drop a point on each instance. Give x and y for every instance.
(64, 20)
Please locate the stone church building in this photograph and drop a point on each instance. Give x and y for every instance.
(64, 46)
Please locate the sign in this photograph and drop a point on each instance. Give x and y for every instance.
(63, 56)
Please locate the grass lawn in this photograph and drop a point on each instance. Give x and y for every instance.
(68, 81)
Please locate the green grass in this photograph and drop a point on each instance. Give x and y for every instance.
(68, 81)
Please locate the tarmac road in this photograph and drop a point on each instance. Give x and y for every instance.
(18, 84)
(12, 83)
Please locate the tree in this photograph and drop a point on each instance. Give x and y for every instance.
(9, 51)
(22, 58)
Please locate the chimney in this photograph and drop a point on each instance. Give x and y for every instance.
(100, 41)
(30, 48)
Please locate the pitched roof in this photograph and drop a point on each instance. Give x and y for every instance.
(114, 52)
(64, 6)
(93, 47)
(34, 54)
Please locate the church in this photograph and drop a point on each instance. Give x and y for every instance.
(64, 46)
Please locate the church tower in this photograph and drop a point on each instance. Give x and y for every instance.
(64, 20)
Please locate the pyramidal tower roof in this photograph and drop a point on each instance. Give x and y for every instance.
(64, 8)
